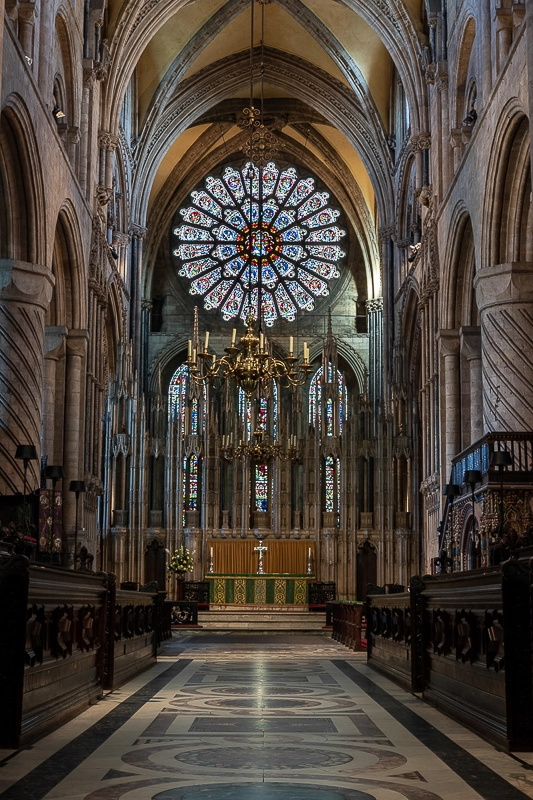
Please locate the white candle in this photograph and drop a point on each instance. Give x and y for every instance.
(309, 552)
(212, 552)
(291, 345)
(189, 350)
(233, 336)
(306, 352)
(206, 341)
(261, 341)
(194, 356)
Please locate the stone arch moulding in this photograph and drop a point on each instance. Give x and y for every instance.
(511, 119)
(315, 88)
(23, 183)
(466, 51)
(67, 245)
(139, 21)
(459, 222)
(363, 232)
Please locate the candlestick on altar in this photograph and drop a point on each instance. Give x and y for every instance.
(210, 567)
(309, 563)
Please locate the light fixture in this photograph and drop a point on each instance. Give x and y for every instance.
(25, 453)
(260, 448)
(250, 362)
(55, 473)
(78, 487)
(57, 112)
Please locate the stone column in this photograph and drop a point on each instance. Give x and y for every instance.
(76, 343)
(504, 296)
(449, 350)
(54, 350)
(529, 39)
(25, 293)
(471, 349)
(137, 233)
(27, 15)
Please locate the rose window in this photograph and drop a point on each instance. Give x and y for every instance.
(245, 232)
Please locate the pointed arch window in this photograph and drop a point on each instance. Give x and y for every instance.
(190, 414)
(315, 401)
(262, 423)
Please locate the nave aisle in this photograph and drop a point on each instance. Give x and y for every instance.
(244, 716)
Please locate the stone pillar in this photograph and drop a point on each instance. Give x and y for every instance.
(529, 38)
(27, 15)
(54, 350)
(76, 343)
(25, 293)
(471, 350)
(504, 296)
(485, 50)
(449, 350)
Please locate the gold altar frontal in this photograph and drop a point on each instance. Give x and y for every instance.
(234, 579)
(289, 591)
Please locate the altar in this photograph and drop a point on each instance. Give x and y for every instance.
(259, 590)
(245, 572)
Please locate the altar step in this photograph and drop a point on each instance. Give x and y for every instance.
(271, 620)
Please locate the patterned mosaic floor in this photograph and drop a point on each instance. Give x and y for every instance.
(272, 717)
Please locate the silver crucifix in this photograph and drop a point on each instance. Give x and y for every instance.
(261, 549)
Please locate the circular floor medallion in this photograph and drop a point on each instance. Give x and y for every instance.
(264, 758)
(262, 791)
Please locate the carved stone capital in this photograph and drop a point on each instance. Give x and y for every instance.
(54, 340)
(137, 230)
(504, 284)
(27, 12)
(103, 195)
(374, 305)
(471, 342)
(77, 342)
(107, 140)
(121, 239)
(23, 282)
(386, 233)
(456, 137)
(449, 342)
(421, 142)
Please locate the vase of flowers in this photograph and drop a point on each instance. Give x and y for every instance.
(180, 562)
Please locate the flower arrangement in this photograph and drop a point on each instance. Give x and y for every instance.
(181, 561)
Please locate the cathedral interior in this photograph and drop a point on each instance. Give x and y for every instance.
(266, 295)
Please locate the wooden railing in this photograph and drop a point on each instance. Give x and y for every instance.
(347, 621)
(478, 456)
(465, 641)
(65, 636)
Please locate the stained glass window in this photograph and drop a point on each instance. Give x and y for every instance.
(315, 401)
(261, 487)
(177, 402)
(193, 483)
(179, 406)
(293, 244)
(245, 413)
(330, 483)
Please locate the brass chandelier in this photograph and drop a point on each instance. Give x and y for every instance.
(250, 361)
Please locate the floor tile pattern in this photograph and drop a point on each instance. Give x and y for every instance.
(273, 717)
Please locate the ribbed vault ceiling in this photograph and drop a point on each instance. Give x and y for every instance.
(191, 82)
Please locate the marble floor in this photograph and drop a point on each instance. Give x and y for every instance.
(262, 717)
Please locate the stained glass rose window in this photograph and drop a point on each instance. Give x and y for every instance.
(290, 232)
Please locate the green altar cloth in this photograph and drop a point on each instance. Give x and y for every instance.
(259, 590)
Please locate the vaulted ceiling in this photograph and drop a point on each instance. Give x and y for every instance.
(329, 65)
